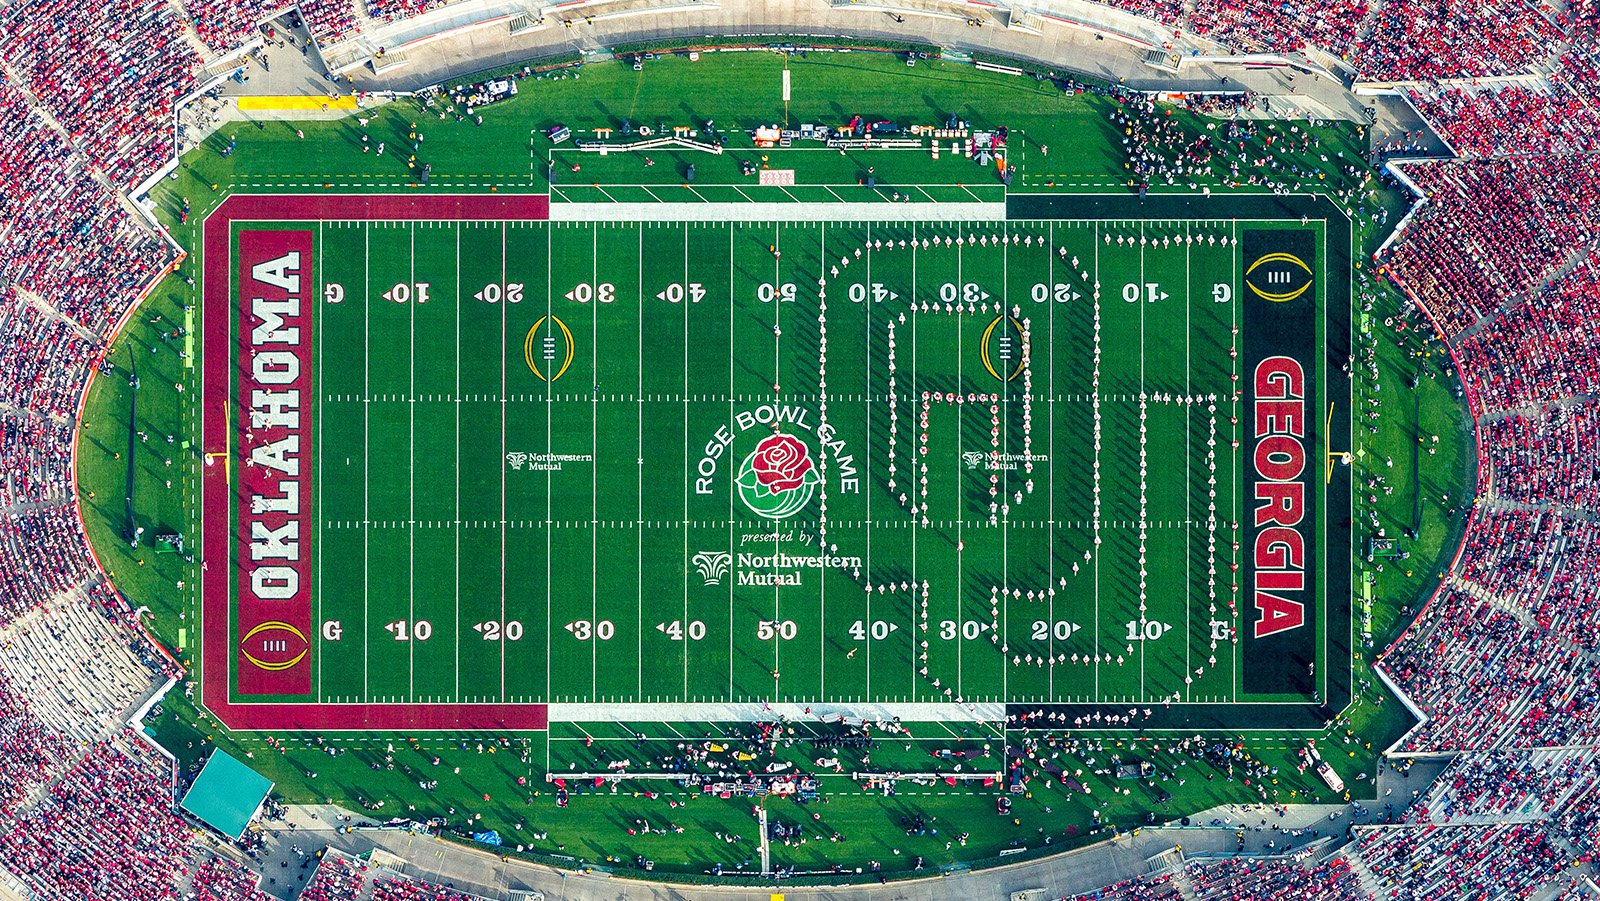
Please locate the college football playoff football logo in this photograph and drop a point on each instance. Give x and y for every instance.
(1282, 277)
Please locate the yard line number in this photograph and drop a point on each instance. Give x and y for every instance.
(421, 630)
(494, 631)
(597, 630)
(677, 630)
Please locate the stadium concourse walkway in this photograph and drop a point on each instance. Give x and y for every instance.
(313, 827)
(457, 55)
(488, 874)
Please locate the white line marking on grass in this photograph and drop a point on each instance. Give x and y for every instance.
(1095, 480)
(822, 584)
(1234, 400)
(731, 508)
(1050, 544)
(549, 613)
(594, 470)
(1144, 461)
(366, 455)
(917, 465)
(777, 370)
(686, 457)
(639, 489)
(501, 464)
(457, 472)
(1188, 533)
(956, 462)
(317, 598)
(411, 479)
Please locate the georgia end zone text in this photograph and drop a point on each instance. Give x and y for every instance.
(1292, 589)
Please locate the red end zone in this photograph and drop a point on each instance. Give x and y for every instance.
(266, 477)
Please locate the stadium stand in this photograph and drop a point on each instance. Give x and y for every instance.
(1297, 878)
(220, 879)
(329, 21)
(1412, 41)
(340, 877)
(1492, 230)
(1273, 880)
(1259, 25)
(106, 829)
(109, 72)
(395, 10)
(1154, 888)
(1500, 860)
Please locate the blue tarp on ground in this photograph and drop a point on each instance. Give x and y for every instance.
(226, 794)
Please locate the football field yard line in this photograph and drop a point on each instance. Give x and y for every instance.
(1144, 460)
(411, 475)
(777, 398)
(686, 457)
(1095, 516)
(456, 469)
(1188, 532)
(639, 484)
(457, 472)
(594, 470)
(866, 342)
(549, 617)
(504, 339)
(822, 584)
(1005, 534)
(366, 477)
(890, 402)
(1050, 530)
(731, 395)
(1238, 686)
(320, 662)
(956, 462)
(916, 468)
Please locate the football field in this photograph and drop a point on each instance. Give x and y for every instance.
(486, 461)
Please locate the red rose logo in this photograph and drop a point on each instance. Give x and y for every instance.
(778, 478)
(780, 463)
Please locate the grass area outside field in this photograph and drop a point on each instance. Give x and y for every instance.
(735, 89)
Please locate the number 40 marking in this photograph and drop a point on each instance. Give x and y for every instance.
(878, 629)
(676, 630)
(676, 292)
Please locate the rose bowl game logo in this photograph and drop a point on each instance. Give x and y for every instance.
(778, 478)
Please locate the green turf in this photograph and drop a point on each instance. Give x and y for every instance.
(739, 91)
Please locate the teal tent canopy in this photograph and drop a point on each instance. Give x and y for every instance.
(227, 794)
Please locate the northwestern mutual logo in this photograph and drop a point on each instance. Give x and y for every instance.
(713, 565)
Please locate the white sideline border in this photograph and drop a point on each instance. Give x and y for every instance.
(778, 212)
(909, 712)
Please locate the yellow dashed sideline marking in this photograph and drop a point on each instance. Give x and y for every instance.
(284, 102)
